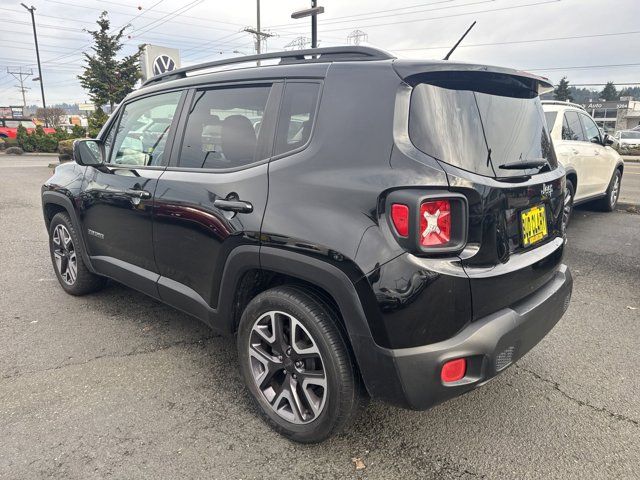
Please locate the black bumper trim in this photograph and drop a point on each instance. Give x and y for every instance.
(491, 344)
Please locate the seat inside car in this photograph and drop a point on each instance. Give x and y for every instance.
(238, 140)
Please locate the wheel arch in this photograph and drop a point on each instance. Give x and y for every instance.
(56, 202)
(573, 176)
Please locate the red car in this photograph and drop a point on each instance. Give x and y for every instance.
(9, 127)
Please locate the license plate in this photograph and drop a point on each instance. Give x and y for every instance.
(534, 225)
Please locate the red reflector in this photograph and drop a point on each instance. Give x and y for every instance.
(453, 370)
(400, 217)
(435, 223)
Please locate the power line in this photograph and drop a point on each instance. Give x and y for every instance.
(518, 41)
(579, 67)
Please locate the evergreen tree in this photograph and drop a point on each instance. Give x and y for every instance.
(107, 79)
(96, 120)
(562, 92)
(609, 92)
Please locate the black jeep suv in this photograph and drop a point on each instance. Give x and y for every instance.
(366, 226)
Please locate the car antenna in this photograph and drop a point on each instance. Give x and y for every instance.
(458, 42)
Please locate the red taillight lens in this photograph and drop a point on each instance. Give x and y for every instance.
(400, 218)
(453, 370)
(435, 223)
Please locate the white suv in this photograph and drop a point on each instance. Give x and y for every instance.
(594, 169)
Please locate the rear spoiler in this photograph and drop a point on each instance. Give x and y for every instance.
(468, 76)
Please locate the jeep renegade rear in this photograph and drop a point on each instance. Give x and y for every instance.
(366, 226)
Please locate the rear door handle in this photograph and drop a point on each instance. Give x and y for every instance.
(237, 206)
(142, 194)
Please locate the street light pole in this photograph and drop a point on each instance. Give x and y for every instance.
(314, 26)
(35, 38)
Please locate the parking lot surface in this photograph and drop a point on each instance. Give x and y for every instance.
(116, 385)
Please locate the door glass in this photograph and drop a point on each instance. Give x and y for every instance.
(571, 129)
(591, 129)
(296, 116)
(143, 129)
(223, 127)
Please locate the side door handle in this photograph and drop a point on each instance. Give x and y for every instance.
(236, 206)
(596, 152)
(142, 194)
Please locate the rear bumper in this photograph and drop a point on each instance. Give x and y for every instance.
(490, 345)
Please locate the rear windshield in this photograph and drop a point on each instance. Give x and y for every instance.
(477, 131)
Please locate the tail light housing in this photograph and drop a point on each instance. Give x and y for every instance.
(428, 222)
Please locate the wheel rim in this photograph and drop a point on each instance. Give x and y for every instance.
(614, 191)
(568, 205)
(287, 367)
(64, 254)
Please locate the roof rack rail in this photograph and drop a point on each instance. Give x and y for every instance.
(560, 102)
(329, 54)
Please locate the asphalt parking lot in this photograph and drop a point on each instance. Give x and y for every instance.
(116, 385)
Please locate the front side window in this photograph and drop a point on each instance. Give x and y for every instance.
(571, 128)
(591, 129)
(142, 131)
(296, 116)
(223, 127)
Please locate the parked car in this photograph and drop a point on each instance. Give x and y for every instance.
(594, 169)
(626, 140)
(9, 127)
(394, 230)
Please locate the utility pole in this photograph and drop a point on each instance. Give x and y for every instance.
(257, 33)
(357, 37)
(20, 76)
(35, 39)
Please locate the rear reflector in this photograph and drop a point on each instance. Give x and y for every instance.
(435, 223)
(400, 217)
(453, 370)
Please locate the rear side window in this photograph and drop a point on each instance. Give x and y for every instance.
(223, 127)
(571, 128)
(550, 117)
(296, 116)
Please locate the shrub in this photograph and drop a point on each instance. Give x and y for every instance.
(65, 147)
(36, 141)
(78, 131)
(61, 134)
(96, 120)
(3, 144)
(14, 151)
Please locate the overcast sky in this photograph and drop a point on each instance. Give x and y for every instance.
(507, 34)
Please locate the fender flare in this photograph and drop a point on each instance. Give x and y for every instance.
(58, 198)
(375, 363)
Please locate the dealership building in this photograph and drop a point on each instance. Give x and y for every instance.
(623, 114)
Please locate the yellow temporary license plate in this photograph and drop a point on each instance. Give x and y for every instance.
(534, 225)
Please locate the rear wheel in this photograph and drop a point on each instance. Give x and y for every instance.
(296, 364)
(66, 255)
(610, 200)
(569, 195)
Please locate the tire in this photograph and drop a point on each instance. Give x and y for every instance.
(287, 383)
(65, 248)
(570, 194)
(610, 200)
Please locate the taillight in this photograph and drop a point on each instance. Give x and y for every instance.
(427, 221)
(435, 223)
(400, 218)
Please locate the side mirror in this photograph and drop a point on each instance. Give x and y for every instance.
(88, 153)
(607, 140)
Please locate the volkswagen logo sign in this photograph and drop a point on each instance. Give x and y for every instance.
(163, 64)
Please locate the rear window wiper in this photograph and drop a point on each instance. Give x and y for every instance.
(525, 164)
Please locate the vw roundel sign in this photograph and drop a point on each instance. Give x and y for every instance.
(163, 64)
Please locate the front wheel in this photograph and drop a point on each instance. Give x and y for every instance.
(296, 364)
(66, 255)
